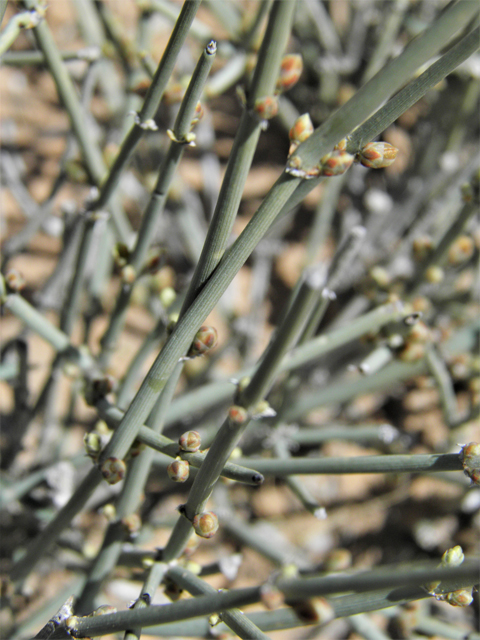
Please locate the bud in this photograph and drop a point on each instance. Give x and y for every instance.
(136, 449)
(132, 523)
(290, 71)
(190, 441)
(214, 619)
(460, 598)
(128, 274)
(335, 163)
(93, 445)
(434, 274)
(198, 115)
(172, 590)
(453, 557)
(109, 511)
(205, 339)
(412, 352)
(419, 332)
(301, 130)
(471, 461)
(178, 470)
(314, 611)
(237, 415)
(113, 470)
(167, 297)
(461, 250)
(121, 255)
(422, 247)
(97, 388)
(266, 108)
(14, 280)
(205, 524)
(377, 155)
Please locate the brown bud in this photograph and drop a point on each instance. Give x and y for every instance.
(419, 332)
(113, 470)
(460, 598)
(14, 280)
(205, 524)
(190, 441)
(237, 414)
(461, 250)
(412, 352)
(132, 523)
(335, 163)
(422, 246)
(136, 449)
(266, 108)
(205, 339)
(301, 130)
(377, 155)
(178, 470)
(290, 71)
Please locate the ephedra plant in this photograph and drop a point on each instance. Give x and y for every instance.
(259, 408)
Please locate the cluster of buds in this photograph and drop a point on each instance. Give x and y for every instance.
(471, 461)
(113, 470)
(460, 597)
(377, 155)
(205, 339)
(461, 250)
(178, 470)
(205, 524)
(237, 415)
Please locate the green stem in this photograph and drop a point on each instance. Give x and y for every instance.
(244, 145)
(156, 441)
(48, 536)
(231, 430)
(235, 619)
(364, 464)
(297, 589)
(22, 58)
(152, 100)
(158, 198)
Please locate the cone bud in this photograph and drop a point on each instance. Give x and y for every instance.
(453, 557)
(290, 71)
(460, 598)
(113, 470)
(93, 445)
(335, 163)
(14, 280)
(205, 339)
(190, 441)
(237, 414)
(377, 155)
(301, 130)
(205, 524)
(434, 274)
(266, 108)
(178, 470)
(132, 523)
(461, 250)
(198, 115)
